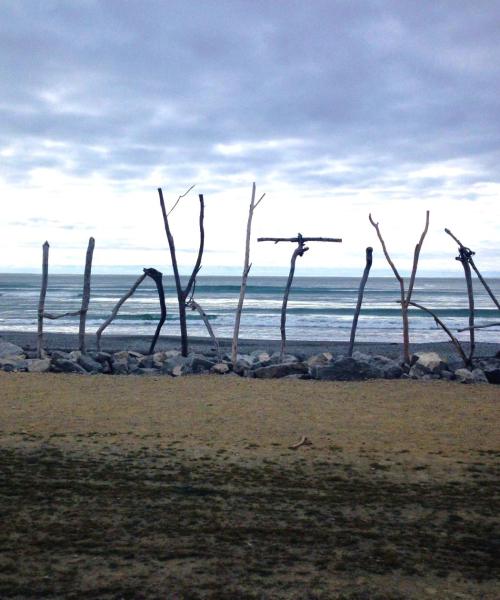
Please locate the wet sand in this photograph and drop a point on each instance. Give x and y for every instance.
(129, 487)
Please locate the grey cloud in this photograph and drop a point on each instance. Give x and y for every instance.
(389, 84)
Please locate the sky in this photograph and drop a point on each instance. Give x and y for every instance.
(336, 109)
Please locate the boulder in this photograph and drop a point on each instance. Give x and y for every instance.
(7, 349)
(491, 368)
(220, 368)
(346, 368)
(120, 363)
(89, 364)
(389, 368)
(13, 363)
(260, 358)
(176, 365)
(281, 370)
(64, 365)
(242, 365)
(199, 363)
(429, 362)
(479, 376)
(38, 365)
(277, 359)
(319, 360)
(464, 376)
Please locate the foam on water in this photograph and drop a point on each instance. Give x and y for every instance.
(319, 308)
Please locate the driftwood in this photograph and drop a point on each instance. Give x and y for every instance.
(86, 294)
(157, 277)
(244, 277)
(480, 326)
(299, 251)
(302, 442)
(405, 296)
(75, 313)
(43, 294)
(195, 306)
(183, 293)
(470, 254)
(116, 308)
(364, 279)
(453, 339)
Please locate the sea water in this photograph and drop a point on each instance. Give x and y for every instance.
(319, 308)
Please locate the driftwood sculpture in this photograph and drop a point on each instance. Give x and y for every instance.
(157, 277)
(465, 258)
(405, 295)
(183, 293)
(364, 279)
(82, 313)
(244, 277)
(301, 248)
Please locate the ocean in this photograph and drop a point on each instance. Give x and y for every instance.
(319, 308)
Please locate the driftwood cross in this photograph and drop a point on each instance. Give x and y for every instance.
(301, 248)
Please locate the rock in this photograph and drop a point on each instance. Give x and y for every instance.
(199, 363)
(287, 358)
(89, 364)
(261, 358)
(120, 363)
(429, 362)
(64, 365)
(171, 353)
(13, 363)
(59, 354)
(389, 368)
(464, 376)
(146, 362)
(479, 376)
(176, 365)
(75, 355)
(8, 350)
(220, 368)
(281, 370)
(38, 365)
(346, 369)
(491, 368)
(318, 360)
(242, 365)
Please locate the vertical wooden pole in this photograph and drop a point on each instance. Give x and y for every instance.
(364, 279)
(464, 259)
(86, 294)
(43, 293)
(299, 251)
(157, 277)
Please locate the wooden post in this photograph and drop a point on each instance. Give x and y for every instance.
(463, 258)
(299, 251)
(244, 277)
(86, 294)
(157, 277)
(364, 279)
(182, 294)
(405, 297)
(43, 293)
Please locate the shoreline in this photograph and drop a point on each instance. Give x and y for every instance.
(140, 343)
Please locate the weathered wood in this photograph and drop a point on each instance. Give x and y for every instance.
(183, 293)
(404, 296)
(364, 279)
(453, 339)
(296, 239)
(116, 308)
(195, 306)
(86, 294)
(43, 294)
(464, 260)
(74, 313)
(157, 277)
(244, 277)
(497, 324)
(476, 270)
(299, 251)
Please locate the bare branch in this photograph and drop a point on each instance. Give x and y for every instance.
(43, 294)
(259, 200)
(197, 265)
(52, 317)
(195, 306)
(86, 294)
(480, 326)
(180, 198)
(416, 255)
(296, 239)
(364, 279)
(453, 339)
(384, 248)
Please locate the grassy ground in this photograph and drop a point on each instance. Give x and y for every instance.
(124, 487)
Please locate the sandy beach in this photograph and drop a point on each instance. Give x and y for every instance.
(128, 487)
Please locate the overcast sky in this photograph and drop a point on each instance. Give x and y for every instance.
(335, 108)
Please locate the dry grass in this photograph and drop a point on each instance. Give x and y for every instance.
(186, 488)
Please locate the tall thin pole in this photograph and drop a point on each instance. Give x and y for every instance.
(86, 294)
(43, 293)
(364, 279)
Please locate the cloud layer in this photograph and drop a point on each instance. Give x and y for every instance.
(366, 101)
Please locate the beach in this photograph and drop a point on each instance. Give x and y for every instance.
(133, 487)
(141, 343)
